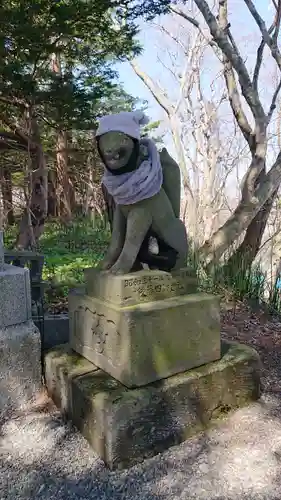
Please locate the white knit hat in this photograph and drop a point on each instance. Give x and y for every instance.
(127, 122)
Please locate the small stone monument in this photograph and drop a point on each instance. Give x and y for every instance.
(20, 345)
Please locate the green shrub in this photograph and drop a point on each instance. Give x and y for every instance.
(68, 250)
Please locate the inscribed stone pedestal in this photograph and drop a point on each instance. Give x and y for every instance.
(125, 426)
(145, 341)
(140, 287)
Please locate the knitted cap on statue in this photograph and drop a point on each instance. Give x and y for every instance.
(128, 122)
(146, 180)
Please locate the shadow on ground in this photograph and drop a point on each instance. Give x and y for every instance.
(44, 458)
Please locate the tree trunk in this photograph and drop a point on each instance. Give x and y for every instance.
(65, 186)
(35, 213)
(248, 249)
(88, 189)
(240, 263)
(242, 216)
(52, 195)
(67, 194)
(7, 195)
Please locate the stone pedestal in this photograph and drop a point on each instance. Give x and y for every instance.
(145, 367)
(144, 327)
(125, 426)
(20, 344)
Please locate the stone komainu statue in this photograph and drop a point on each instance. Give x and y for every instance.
(142, 194)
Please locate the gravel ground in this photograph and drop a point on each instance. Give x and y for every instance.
(42, 457)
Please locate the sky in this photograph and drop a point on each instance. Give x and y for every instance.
(242, 27)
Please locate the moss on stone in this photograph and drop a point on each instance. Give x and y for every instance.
(126, 425)
(64, 355)
(62, 359)
(94, 383)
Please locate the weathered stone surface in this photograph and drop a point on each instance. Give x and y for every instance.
(140, 344)
(61, 365)
(124, 426)
(15, 301)
(139, 287)
(20, 361)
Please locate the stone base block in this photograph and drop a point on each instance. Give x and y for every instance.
(139, 287)
(15, 302)
(20, 362)
(125, 426)
(140, 344)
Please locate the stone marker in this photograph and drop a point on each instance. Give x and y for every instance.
(20, 344)
(125, 426)
(145, 341)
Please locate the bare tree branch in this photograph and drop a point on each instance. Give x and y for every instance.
(221, 38)
(270, 41)
(230, 80)
(236, 106)
(194, 122)
(277, 22)
(272, 44)
(167, 68)
(170, 35)
(156, 91)
(258, 65)
(179, 12)
(233, 94)
(169, 109)
(227, 27)
(273, 103)
(190, 70)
